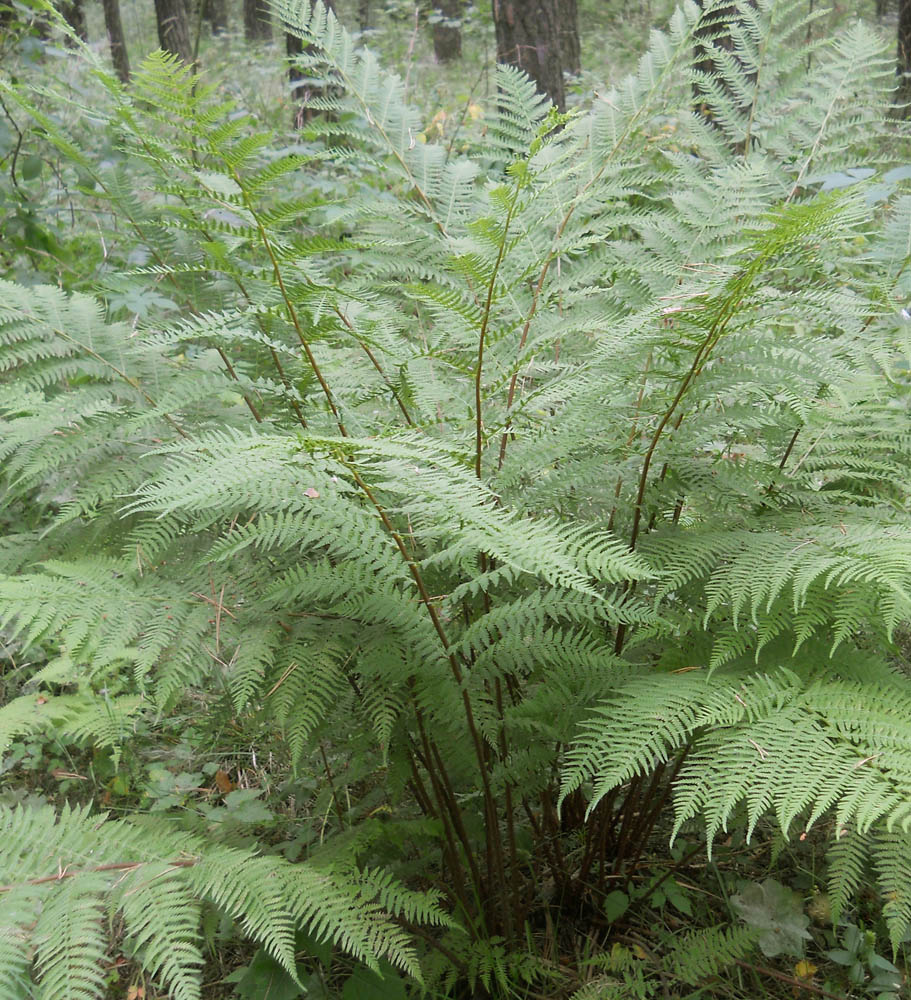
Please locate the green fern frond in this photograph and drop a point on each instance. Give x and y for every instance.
(62, 873)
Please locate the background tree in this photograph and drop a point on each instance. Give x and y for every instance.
(257, 21)
(114, 28)
(724, 70)
(568, 22)
(528, 36)
(75, 17)
(302, 88)
(903, 95)
(447, 30)
(363, 15)
(173, 28)
(216, 13)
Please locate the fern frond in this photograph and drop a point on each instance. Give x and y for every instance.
(62, 873)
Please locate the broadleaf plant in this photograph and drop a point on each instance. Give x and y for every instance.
(551, 495)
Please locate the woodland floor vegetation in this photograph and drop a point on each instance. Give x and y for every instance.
(456, 548)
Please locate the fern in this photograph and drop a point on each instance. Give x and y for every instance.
(705, 953)
(62, 875)
(544, 475)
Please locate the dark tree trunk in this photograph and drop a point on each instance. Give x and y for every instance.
(174, 28)
(302, 89)
(299, 114)
(216, 13)
(114, 28)
(903, 93)
(447, 30)
(528, 36)
(568, 22)
(363, 15)
(257, 21)
(74, 16)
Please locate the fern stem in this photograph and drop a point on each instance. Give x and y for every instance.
(536, 295)
(115, 866)
(716, 331)
(632, 437)
(788, 450)
(449, 815)
(478, 743)
(553, 822)
(140, 232)
(627, 810)
(494, 843)
(644, 820)
(510, 818)
(483, 763)
(597, 834)
(450, 849)
(452, 803)
(791, 981)
(542, 841)
(482, 337)
(289, 305)
(331, 780)
(257, 416)
(366, 349)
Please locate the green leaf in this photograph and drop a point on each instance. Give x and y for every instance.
(365, 984)
(265, 979)
(243, 806)
(678, 898)
(878, 962)
(777, 912)
(897, 174)
(616, 904)
(845, 178)
(320, 950)
(31, 167)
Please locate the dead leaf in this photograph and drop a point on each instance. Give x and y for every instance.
(805, 969)
(223, 783)
(312, 493)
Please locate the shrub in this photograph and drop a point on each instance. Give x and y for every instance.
(556, 487)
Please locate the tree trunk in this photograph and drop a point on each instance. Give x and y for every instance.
(447, 30)
(528, 36)
(74, 16)
(174, 28)
(302, 89)
(903, 92)
(114, 28)
(363, 15)
(257, 21)
(568, 23)
(216, 13)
